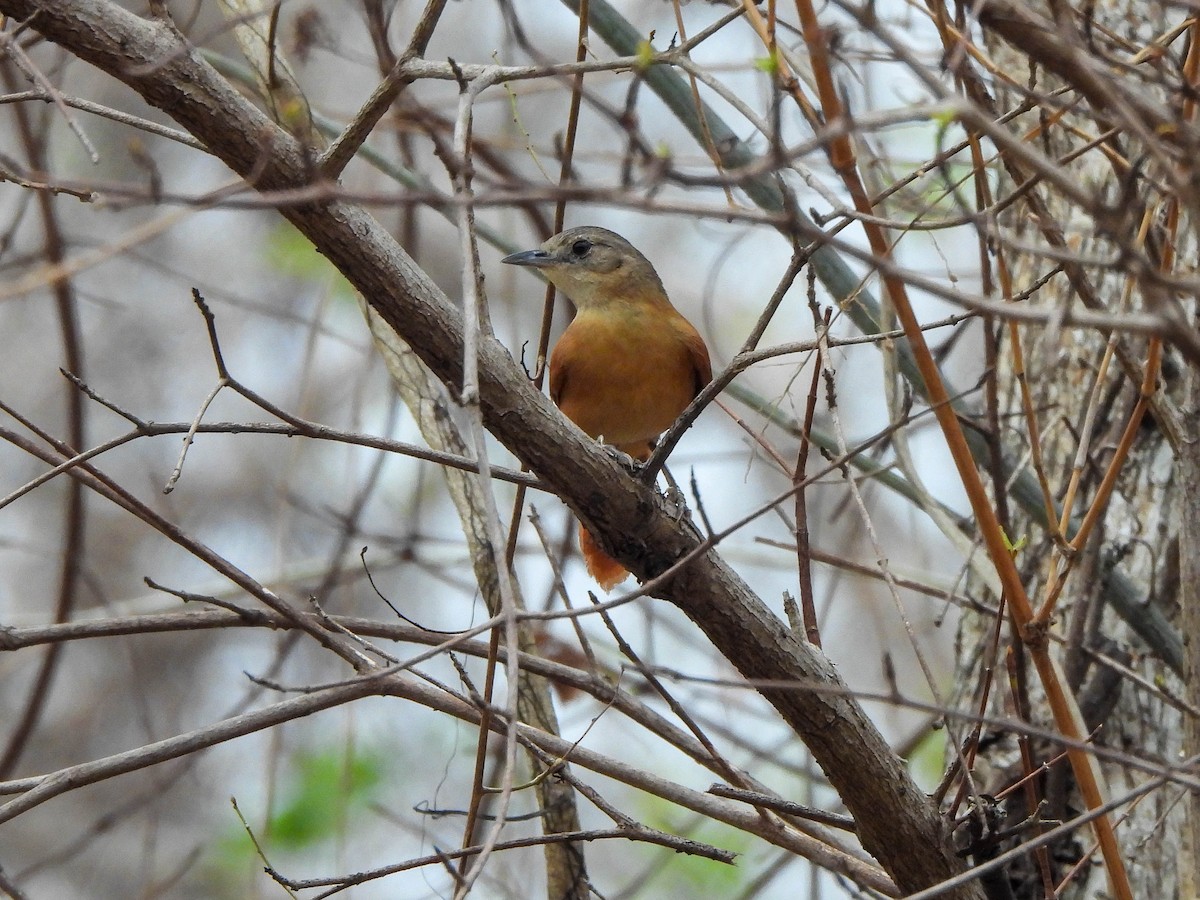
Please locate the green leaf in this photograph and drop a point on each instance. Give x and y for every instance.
(944, 118)
(292, 254)
(645, 54)
(927, 760)
(1018, 546)
(768, 64)
(696, 876)
(319, 792)
(326, 786)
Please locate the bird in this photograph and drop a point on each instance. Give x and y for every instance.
(628, 364)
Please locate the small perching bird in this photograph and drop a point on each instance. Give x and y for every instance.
(628, 364)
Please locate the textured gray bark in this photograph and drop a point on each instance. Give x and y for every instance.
(1188, 479)
(1156, 495)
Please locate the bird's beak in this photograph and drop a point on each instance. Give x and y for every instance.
(538, 259)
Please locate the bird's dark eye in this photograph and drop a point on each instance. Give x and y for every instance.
(581, 248)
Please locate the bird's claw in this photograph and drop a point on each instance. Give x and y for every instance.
(675, 502)
(623, 458)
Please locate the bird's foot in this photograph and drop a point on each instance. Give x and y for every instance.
(623, 458)
(676, 502)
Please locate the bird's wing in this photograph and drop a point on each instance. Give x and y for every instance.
(558, 368)
(701, 365)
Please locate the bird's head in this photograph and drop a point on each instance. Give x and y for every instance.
(593, 266)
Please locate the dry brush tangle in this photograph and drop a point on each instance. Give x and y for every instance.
(1084, 397)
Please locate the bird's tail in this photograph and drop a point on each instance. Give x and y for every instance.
(606, 570)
